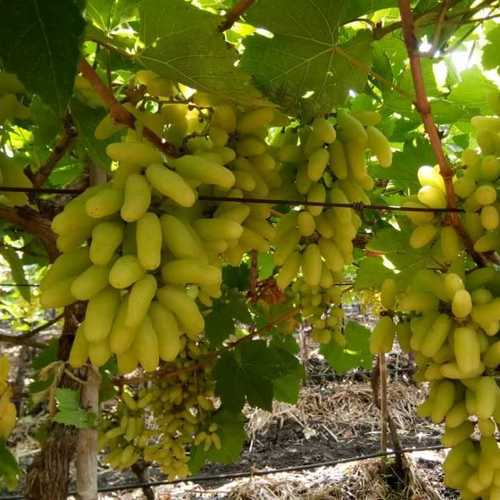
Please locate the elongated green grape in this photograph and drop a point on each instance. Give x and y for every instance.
(388, 293)
(323, 130)
(436, 336)
(250, 146)
(106, 202)
(461, 305)
(443, 401)
(423, 235)
(329, 252)
(338, 160)
(170, 184)
(467, 350)
(317, 164)
(180, 238)
(486, 396)
(139, 153)
(209, 172)
(252, 121)
(380, 146)
(490, 218)
(450, 243)
(311, 265)
(79, 350)
(66, 265)
(58, 294)
(432, 197)
(99, 352)
(289, 270)
(121, 336)
(218, 228)
(149, 241)
(261, 226)
(485, 194)
(183, 271)
(356, 160)
(316, 194)
(382, 336)
(146, 347)
(136, 198)
(90, 282)
(184, 308)
(167, 331)
(139, 300)
(350, 128)
(125, 271)
(101, 311)
(106, 238)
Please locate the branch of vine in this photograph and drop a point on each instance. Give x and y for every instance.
(424, 108)
(64, 144)
(27, 338)
(235, 13)
(118, 112)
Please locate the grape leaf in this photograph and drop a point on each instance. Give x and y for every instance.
(183, 43)
(304, 67)
(236, 277)
(371, 273)
(472, 90)
(47, 355)
(40, 41)
(265, 265)
(228, 385)
(220, 323)
(16, 270)
(356, 352)
(108, 14)
(9, 470)
(491, 50)
(70, 411)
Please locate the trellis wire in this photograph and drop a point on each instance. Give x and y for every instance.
(264, 201)
(237, 475)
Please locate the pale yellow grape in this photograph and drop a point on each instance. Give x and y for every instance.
(99, 352)
(485, 194)
(101, 311)
(149, 241)
(125, 272)
(90, 282)
(490, 168)
(140, 297)
(350, 128)
(250, 146)
(464, 186)
(329, 252)
(388, 292)
(218, 136)
(244, 180)
(418, 217)
(207, 171)
(311, 265)
(140, 153)
(423, 235)
(184, 308)
(217, 228)
(106, 202)
(171, 185)
(380, 146)
(252, 121)
(367, 117)
(316, 194)
(418, 302)
(487, 242)
(264, 162)
(486, 123)
(261, 226)
(437, 335)
(467, 350)
(58, 294)
(461, 305)
(180, 238)
(237, 212)
(486, 396)
(452, 284)
(167, 332)
(251, 240)
(146, 347)
(450, 243)
(121, 336)
(354, 192)
(305, 223)
(323, 130)
(302, 180)
(317, 163)
(472, 225)
(430, 176)
(443, 401)
(289, 270)
(136, 198)
(79, 349)
(382, 336)
(323, 225)
(107, 127)
(66, 265)
(432, 197)
(338, 160)
(106, 238)
(285, 244)
(183, 271)
(356, 160)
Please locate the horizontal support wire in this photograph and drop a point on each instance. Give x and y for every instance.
(253, 473)
(13, 285)
(264, 201)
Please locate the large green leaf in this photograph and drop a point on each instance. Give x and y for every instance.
(304, 67)
(356, 352)
(183, 43)
(9, 470)
(107, 14)
(40, 41)
(70, 412)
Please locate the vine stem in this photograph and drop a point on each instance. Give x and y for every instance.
(118, 112)
(64, 144)
(235, 13)
(424, 108)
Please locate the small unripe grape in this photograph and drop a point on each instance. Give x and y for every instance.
(485, 194)
(490, 218)
(423, 235)
(429, 176)
(461, 305)
(432, 197)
